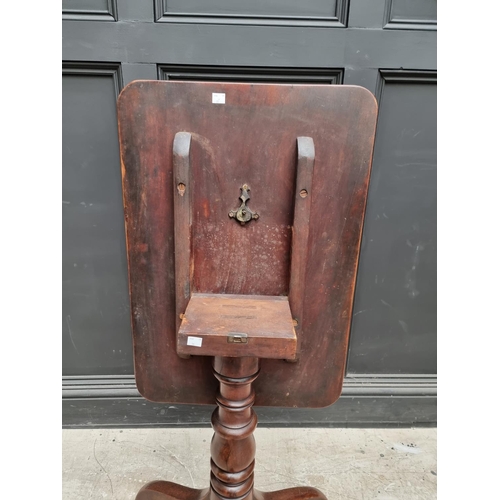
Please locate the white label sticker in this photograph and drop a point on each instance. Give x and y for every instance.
(196, 341)
(218, 98)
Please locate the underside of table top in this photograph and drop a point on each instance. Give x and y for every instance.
(245, 134)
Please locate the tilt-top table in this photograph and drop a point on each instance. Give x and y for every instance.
(244, 207)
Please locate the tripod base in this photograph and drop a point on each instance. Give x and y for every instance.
(233, 444)
(165, 490)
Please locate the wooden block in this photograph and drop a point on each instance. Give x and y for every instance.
(236, 326)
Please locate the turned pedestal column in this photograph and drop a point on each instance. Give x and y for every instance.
(233, 444)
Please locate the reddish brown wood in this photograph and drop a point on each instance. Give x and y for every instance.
(234, 420)
(166, 490)
(233, 444)
(237, 325)
(300, 229)
(251, 139)
(182, 223)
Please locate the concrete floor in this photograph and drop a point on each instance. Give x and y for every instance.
(351, 464)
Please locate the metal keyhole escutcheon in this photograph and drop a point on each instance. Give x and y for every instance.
(244, 214)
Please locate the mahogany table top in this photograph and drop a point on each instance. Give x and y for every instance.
(245, 134)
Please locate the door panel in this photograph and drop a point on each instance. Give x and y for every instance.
(394, 318)
(240, 74)
(96, 315)
(408, 14)
(325, 12)
(98, 10)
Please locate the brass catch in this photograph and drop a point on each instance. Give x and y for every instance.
(243, 214)
(237, 338)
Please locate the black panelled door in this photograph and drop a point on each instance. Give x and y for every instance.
(387, 46)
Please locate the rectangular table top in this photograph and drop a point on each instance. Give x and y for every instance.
(248, 137)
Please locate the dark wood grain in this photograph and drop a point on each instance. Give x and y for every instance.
(213, 323)
(250, 139)
(182, 223)
(232, 447)
(300, 229)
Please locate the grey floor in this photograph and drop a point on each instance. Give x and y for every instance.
(354, 464)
